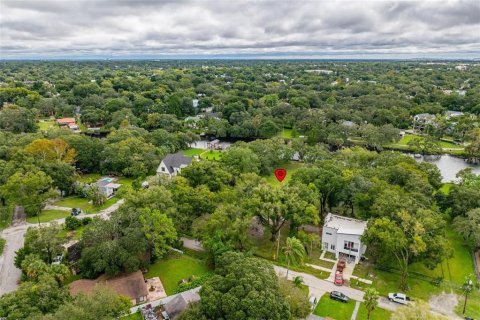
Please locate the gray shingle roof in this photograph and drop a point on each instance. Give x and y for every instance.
(176, 160)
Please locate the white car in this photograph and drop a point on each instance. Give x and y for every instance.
(398, 298)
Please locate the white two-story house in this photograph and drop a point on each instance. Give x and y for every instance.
(342, 236)
(172, 164)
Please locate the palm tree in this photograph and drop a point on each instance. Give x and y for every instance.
(298, 281)
(294, 252)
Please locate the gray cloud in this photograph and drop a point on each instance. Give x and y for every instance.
(42, 28)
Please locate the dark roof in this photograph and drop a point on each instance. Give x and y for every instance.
(175, 307)
(74, 252)
(132, 285)
(176, 161)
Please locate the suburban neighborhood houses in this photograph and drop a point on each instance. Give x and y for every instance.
(311, 190)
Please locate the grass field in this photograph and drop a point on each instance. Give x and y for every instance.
(175, 268)
(89, 177)
(290, 167)
(83, 203)
(49, 215)
(287, 134)
(403, 143)
(377, 314)
(204, 154)
(125, 181)
(454, 269)
(445, 188)
(133, 316)
(46, 125)
(334, 309)
(72, 234)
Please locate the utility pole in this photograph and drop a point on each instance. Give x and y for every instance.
(467, 288)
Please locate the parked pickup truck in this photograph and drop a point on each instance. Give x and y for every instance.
(398, 298)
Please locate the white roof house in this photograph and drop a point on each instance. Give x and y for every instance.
(342, 236)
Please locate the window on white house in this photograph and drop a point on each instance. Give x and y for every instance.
(328, 233)
(349, 245)
(332, 247)
(163, 169)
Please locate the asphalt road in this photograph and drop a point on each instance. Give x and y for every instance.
(9, 274)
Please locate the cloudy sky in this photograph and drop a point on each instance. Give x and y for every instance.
(148, 28)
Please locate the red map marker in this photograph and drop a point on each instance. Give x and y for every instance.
(280, 174)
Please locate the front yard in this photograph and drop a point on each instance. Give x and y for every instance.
(172, 269)
(84, 204)
(421, 279)
(291, 167)
(334, 309)
(203, 154)
(48, 215)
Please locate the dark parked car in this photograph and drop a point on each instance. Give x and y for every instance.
(76, 212)
(335, 295)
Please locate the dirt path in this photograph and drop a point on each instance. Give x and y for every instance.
(445, 304)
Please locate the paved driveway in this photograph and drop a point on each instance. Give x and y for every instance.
(9, 274)
(14, 236)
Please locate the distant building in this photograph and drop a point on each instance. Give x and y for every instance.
(461, 67)
(108, 186)
(173, 164)
(65, 122)
(461, 93)
(132, 286)
(452, 114)
(342, 236)
(420, 121)
(320, 71)
(195, 103)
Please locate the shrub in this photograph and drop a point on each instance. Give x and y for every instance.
(72, 223)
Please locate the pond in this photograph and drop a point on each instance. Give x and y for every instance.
(449, 165)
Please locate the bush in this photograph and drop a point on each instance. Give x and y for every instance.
(72, 223)
(195, 282)
(86, 220)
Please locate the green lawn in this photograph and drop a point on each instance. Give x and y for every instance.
(204, 154)
(46, 125)
(72, 234)
(420, 278)
(193, 152)
(287, 134)
(403, 143)
(377, 314)
(83, 203)
(125, 181)
(49, 215)
(454, 269)
(334, 309)
(175, 268)
(445, 188)
(473, 303)
(290, 167)
(133, 316)
(89, 177)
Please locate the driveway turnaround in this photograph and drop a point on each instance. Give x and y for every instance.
(9, 274)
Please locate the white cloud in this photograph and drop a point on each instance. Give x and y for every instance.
(128, 27)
